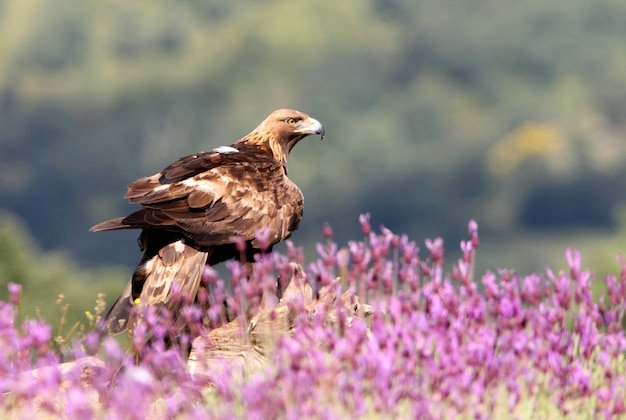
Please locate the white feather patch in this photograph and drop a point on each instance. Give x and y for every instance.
(179, 246)
(225, 149)
(191, 182)
(160, 188)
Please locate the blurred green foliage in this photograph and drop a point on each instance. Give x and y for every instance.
(511, 113)
(49, 277)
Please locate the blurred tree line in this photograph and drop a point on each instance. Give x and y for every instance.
(511, 113)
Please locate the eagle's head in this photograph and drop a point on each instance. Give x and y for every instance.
(282, 130)
(290, 124)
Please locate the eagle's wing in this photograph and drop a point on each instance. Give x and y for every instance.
(216, 197)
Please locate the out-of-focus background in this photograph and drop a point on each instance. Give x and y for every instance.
(511, 113)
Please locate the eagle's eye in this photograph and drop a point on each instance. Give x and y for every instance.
(291, 121)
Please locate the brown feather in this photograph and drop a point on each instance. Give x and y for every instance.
(174, 263)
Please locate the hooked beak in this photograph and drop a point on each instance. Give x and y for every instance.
(313, 127)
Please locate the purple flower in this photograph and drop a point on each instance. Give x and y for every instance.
(78, 404)
(562, 292)
(506, 307)
(581, 378)
(38, 333)
(113, 349)
(328, 231)
(531, 291)
(91, 342)
(491, 288)
(436, 250)
(573, 259)
(466, 248)
(472, 227)
(209, 275)
(15, 290)
(328, 253)
(364, 220)
(438, 343)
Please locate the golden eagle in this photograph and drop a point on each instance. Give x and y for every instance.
(195, 210)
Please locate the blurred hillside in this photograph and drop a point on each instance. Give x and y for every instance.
(511, 113)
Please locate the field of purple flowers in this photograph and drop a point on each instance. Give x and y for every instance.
(434, 345)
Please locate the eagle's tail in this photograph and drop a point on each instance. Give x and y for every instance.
(113, 224)
(165, 276)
